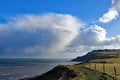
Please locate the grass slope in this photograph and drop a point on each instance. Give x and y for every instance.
(109, 65)
(99, 54)
(72, 72)
(107, 60)
(98, 67)
(89, 74)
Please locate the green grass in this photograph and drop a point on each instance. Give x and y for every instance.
(108, 53)
(100, 69)
(109, 64)
(109, 68)
(93, 70)
(85, 73)
(108, 60)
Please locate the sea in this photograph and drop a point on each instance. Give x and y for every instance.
(15, 69)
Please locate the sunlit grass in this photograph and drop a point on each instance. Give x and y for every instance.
(108, 60)
(109, 53)
(108, 65)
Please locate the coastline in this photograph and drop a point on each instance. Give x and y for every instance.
(104, 65)
(14, 69)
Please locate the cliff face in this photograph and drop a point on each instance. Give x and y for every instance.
(98, 54)
(58, 73)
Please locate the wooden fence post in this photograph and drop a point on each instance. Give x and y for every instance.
(115, 71)
(89, 65)
(103, 68)
(84, 64)
(95, 66)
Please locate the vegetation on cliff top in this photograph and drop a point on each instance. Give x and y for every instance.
(72, 72)
(99, 54)
(100, 68)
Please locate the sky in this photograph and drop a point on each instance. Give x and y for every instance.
(57, 29)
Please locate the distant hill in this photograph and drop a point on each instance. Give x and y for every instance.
(99, 54)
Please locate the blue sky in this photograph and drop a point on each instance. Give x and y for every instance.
(81, 9)
(87, 11)
(27, 27)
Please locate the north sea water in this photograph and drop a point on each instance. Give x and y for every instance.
(14, 69)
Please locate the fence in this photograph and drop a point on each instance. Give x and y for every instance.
(96, 66)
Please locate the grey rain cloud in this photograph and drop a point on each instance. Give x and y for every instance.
(50, 34)
(31, 35)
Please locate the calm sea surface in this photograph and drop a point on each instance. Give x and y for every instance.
(14, 69)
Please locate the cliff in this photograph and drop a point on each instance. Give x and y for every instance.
(98, 54)
(72, 72)
(60, 72)
(92, 70)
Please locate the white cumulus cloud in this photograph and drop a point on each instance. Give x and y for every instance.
(109, 16)
(95, 36)
(112, 13)
(92, 38)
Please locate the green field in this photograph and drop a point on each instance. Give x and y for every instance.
(108, 64)
(108, 60)
(109, 68)
(85, 73)
(109, 53)
(93, 70)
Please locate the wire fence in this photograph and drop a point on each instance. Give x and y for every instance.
(102, 68)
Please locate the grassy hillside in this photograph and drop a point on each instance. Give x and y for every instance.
(109, 65)
(109, 53)
(99, 54)
(60, 72)
(108, 60)
(89, 74)
(73, 72)
(100, 65)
